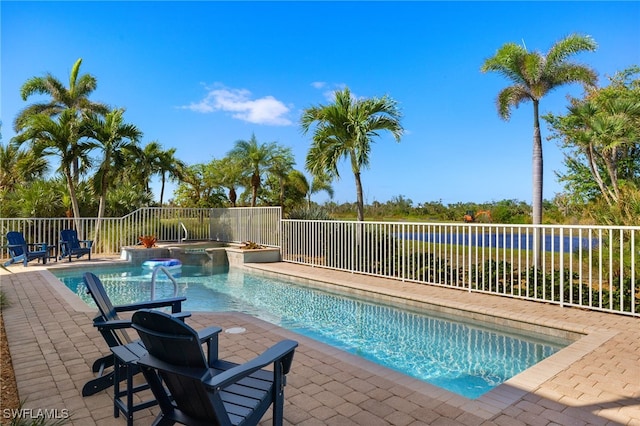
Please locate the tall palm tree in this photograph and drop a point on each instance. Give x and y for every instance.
(533, 76)
(146, 164)
(113, 138)
(282, 162)
(346, 128)
(60, 137)
(74, 98)
(255, 159)
(230, 171)
(168, 167)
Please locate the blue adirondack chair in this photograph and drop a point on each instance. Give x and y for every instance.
(21, 251)
(70, 245)
(113, 328)
(208, 391)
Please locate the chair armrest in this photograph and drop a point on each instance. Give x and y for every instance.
(112, 325)
(125, 323)
(208, 333)
(89, 243)
(43, 245)
(280, 351)
(209, 336)
(174, 302)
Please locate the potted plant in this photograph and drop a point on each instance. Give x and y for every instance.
(148, 240)
(252, 252)
(250, 245)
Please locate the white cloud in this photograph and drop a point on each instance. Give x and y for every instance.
(266, 110)
(329, 88)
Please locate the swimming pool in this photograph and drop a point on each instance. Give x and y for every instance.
(463, 357)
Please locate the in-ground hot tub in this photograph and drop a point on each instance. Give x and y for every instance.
(198, 253)
(201, 253)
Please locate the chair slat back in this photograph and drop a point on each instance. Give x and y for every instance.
(71, 236)
(17, 239)
(107, 311)
(173, 342)
(169, 339)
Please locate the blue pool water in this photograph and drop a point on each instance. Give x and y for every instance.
(465, 358)
(508, 241)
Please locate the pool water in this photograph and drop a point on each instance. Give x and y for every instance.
(466, 358)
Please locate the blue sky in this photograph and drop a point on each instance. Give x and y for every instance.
(199, 76)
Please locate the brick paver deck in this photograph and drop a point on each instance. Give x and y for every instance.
(595, 381)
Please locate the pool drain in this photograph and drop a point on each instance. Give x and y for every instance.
(235, 330)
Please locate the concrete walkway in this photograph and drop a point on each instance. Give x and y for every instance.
(595, 381)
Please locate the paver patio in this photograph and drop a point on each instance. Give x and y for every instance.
(595, 381)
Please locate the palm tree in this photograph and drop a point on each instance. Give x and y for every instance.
(146, 163)
(533, 76)
(230, 171)
(114, 138)
(321, 182)
(282, 162)
(297, 189)
(60, 137)
(18, 167)
(346, 129)
(168, 167)
(602, 131)
(75, 98)
(38, 198)
(255, 159)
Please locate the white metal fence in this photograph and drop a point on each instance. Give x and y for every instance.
(595, 267)
(259, 224)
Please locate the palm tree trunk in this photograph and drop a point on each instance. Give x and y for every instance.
(101, 204)
(537, 185)
(359, 197)
(606, 193)
(281, 192)
(74, 202)
(233, 196)
(255, 183)
(162, 190)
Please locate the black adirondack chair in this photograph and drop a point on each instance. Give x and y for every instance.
(21, 251)
(113, 329)
(213, 391)
(70, 245)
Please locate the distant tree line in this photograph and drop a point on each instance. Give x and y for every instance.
(402, 208)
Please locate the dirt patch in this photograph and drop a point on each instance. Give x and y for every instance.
(9, 398)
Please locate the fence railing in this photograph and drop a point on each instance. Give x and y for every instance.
(259, 224)
(595, 267)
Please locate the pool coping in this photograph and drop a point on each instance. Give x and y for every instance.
(486, 406)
